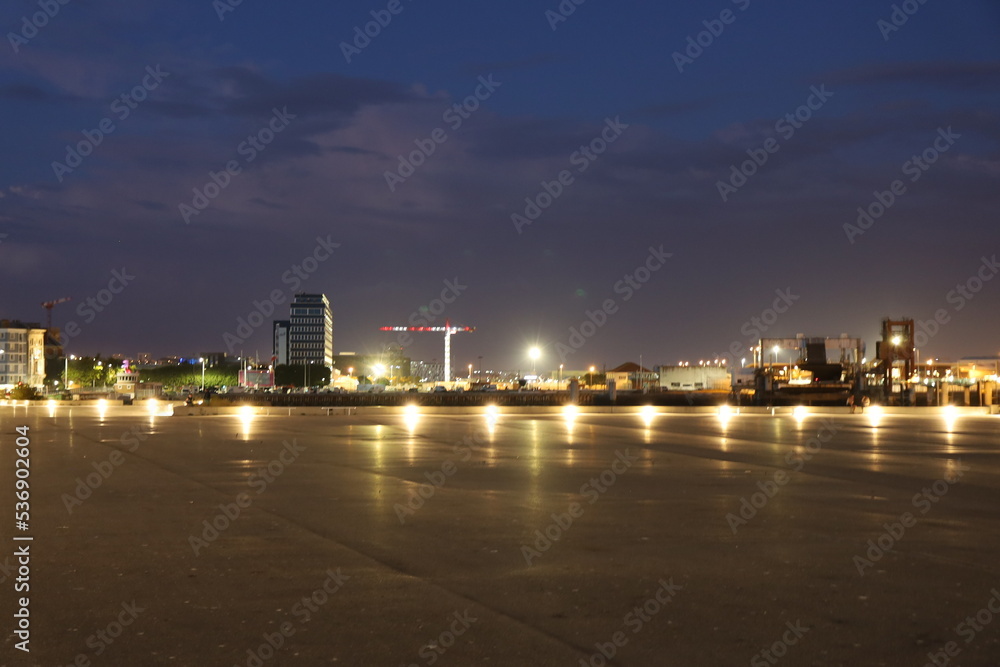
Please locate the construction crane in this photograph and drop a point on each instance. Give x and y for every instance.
(448, 330)
(49, 305)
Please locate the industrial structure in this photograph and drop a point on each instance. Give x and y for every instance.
(48, 306)
(811, 369)
(448, 331)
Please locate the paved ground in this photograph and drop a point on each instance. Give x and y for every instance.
(647, 549)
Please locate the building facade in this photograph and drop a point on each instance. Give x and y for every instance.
(306, 337)
(281, 341)
(697, 378)
(22, 354)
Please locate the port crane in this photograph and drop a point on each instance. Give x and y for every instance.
(448, 331)
(49, 305)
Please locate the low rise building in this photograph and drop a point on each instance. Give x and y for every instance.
(22, 354)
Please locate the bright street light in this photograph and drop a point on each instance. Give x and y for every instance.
(534, 353)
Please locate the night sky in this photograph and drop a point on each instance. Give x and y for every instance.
(179, 93)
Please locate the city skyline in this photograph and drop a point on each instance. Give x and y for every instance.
(679, 180)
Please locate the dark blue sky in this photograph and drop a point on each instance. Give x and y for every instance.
(657, 183)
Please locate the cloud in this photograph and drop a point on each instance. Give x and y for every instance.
(964, 76)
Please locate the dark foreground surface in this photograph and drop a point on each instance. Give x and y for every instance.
(395, 540)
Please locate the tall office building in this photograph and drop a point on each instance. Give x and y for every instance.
(306, 337)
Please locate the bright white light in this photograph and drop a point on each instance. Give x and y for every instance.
(648, 412)
(411, 416)
(875, 414)
(800, 412)
(153, 406)
(725, 414)
(950, 417)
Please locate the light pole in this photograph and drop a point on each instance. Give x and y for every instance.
(66, 372)
(470, 373)
(774, 363)
(202, 360)
(560, 376)
(590, 382)
(534, 353)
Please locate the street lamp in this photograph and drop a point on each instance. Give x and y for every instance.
(534, 353)
(202, 360)
(66, 372)
(590, 382)
(560, 376)
(470, 373)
